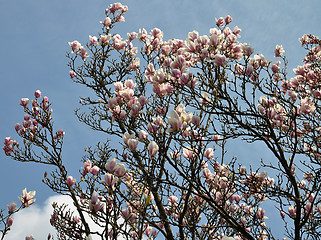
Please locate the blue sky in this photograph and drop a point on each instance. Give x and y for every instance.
(35, 35)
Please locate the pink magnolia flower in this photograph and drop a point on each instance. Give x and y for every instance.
(75, 45)
(292, 211)
(120, 170)
(127, 93)
(216, 137)
(228, 19)
(196, 120)
(94, 170)
(152, 149)
(94, 197)
(104, 39)
(188, 153)
(110, 166)
(249, 70)
(9, 221)
(17, 126)
(209, 153)
(172, 199)
(219, 22)
(125, 213)
(219, 60)
(278, 51)
(307, 106)
(12, 206)
(106, 22)
(117, 7)
(247, 50)
(135, 109)
(87, 167)
(93, 40)
(175, 121)
(110, 179)
(276, 66)
(72, 74)
(129, 83)
(142, 135)
(38, 94)
(260, 213)
(27, 199)
(30, 237)
(24, 102)
(60, 133)
(132, 144)
(70, 181)
(83, 53)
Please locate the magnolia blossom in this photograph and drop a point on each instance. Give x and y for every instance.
(292, 211)
(70, 181)
(172, 199)
(307, 106)
(24, 102)
(188, 153)
(142, 135)
(87, 167)
(175, 121)
(209, 153)
(94, 170)
(120, 170)
(27, 198)
(152, 149)
(9, 221)
(110, 166)
(12, 207)
(75, 45)
(72, 74)
(30, 237)
(132, 144)
(110, 179)
(38, 94)
(219, 60)
(260, 213)
(278, 51)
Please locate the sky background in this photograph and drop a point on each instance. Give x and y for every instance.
(35, 35)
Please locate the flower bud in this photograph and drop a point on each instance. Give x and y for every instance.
(152, 149)
(110, 166)
(120, 170)
(94, 170)
(38, 94)
(70, 181)
(12, 206)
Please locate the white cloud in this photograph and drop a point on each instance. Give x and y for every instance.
(35, 220)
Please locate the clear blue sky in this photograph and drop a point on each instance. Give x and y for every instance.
(34, 40)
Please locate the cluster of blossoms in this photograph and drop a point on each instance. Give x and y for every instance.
(9, 145)
(125, 103)
(115, 171)
(26, 199)
(175, 181)
(141, 199)
(78, 49)
(179, 120)
(223, 191)
(38, 113)
(274, 111)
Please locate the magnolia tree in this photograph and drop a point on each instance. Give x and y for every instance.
(170, 108)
